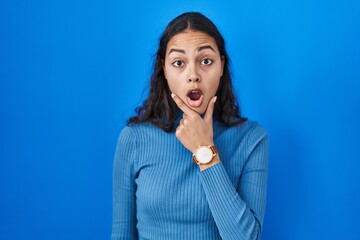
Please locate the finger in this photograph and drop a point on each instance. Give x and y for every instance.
(185, 116)
(210, 110)
(182, 105)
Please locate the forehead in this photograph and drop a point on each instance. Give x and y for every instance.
(190, 39)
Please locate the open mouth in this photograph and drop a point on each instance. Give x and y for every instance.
(195, 97)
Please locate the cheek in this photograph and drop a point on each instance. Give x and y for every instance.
(215, 83)
(171, 81)
(172, 88)
(174, 80)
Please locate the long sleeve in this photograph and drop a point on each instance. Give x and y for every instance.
(124, 207)
(239, 210)
(159, 193)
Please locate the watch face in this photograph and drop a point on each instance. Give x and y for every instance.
(204, 155)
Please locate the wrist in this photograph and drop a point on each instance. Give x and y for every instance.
(216, 160)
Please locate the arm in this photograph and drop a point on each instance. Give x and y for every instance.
(239, 212)
(124, 208)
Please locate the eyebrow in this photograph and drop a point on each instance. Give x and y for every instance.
(205, 47)
(199, 49)
(176, 50)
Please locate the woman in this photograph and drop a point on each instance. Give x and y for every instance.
(188, 166)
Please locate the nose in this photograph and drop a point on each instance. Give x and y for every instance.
(194, 79)
(194, 75)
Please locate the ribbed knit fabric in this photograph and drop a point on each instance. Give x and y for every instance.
(159, 193)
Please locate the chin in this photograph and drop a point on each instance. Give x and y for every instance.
(199, 110)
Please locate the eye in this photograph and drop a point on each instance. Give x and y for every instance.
(178, 63)
(206, 61)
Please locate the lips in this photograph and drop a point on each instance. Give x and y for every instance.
(195, 97)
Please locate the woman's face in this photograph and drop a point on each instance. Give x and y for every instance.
(193, 67)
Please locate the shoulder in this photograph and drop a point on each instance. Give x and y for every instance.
(249, 130)
(254, 135)
(137, 132)
(253, 130)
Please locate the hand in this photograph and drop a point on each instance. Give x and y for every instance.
(193, 130)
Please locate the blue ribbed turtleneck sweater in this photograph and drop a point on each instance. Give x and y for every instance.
(159, 193)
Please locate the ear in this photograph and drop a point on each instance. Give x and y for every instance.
(222, 65)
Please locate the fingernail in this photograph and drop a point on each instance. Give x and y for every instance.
(172, 95)
(215, 98)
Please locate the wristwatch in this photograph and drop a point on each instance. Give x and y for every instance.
(204, 154)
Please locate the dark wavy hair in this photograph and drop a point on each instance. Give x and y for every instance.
(159, 108)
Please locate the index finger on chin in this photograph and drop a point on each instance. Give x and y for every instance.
(182, 105)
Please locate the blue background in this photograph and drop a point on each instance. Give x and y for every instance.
(71, 73)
